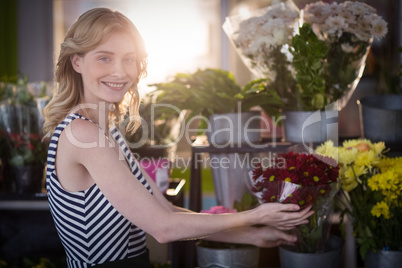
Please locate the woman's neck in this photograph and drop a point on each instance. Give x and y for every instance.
(98, 113)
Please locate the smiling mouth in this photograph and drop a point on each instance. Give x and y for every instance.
(115, 85)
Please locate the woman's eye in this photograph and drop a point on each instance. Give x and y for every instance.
(129, 60)
(105, 59)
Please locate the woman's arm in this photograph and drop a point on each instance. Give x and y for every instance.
(134, 202)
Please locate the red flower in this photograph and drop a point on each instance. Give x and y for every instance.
(271, 174)
(30, 146)
(257, 172)
(303, 179)
(34, 136)
(288, 176)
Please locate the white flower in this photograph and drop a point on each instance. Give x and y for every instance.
(364, 29)
(257, 37)
(348, 16)
(330, 21)
(359, 8)
(336, 24)
(379, 28)
(316, 12)
(347, 48)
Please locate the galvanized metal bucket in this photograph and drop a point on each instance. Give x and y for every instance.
(383, 258)
(330, 258)
(310, 126)
(237, 257)
(381, 118)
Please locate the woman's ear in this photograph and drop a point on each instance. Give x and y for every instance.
(76, 62)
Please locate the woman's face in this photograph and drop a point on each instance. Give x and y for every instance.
(109, 70)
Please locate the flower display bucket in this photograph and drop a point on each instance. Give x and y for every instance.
(229, 170)
(237, 257)
(330, 258)
(383, 258)
(310, 126)
(381, 118)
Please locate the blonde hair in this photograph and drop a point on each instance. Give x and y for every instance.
(90, 30)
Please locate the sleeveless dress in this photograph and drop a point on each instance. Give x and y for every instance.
(91, 230)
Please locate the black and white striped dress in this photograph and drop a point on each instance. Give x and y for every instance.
(91, 230)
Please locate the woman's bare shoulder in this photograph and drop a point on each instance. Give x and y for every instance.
(82, 134)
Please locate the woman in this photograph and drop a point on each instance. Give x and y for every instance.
(101, 201)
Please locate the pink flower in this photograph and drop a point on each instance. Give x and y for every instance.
(219, 210)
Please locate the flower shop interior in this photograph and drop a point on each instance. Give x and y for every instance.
(292, 101)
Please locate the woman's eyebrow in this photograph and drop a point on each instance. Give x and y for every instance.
(112, 53)
(103, 52)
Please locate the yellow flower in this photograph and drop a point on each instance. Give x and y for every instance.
(347, 156)
(349, 186)
(365, 158)
(328, 149)
(381, 208)
(354, 172)
(394, 163)
(349, 175)
(373, 182)
(379, 147)
(352, 143)
(388, 180)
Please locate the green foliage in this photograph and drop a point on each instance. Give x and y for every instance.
(204, 92)
(260, 93)
(308, 52)
(210, 91)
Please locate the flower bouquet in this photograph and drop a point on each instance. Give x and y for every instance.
(314, 65)
(306, 180)
(371, 193)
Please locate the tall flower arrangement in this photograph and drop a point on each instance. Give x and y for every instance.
(371, 189)
(313, 66)
(306, 180)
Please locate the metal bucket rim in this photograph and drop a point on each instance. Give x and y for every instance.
(238, 248)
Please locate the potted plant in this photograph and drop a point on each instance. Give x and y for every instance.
(371, 198)
(157, 135)
(211, 92)
(312, 68)
(223, 109)
(24, 153)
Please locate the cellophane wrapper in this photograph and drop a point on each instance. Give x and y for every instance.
(313, 235)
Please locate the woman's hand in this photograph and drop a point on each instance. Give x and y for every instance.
(282, 216)
(267, 237)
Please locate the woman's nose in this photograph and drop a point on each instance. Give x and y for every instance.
(118, 70)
